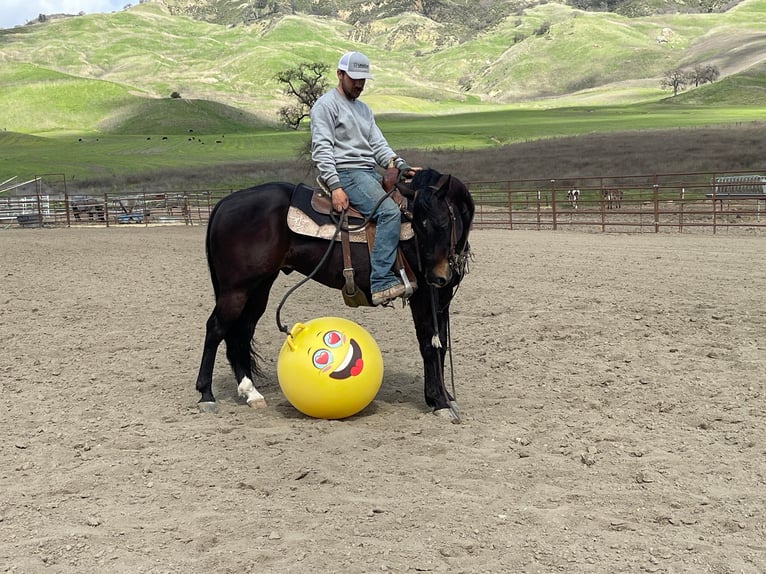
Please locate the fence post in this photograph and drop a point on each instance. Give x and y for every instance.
(510, 209)
(681, 210)
(67, 207)
(39, 198)
(553, 202)
(187, 209)
(539, 194)
(602, 207)
(656, 191)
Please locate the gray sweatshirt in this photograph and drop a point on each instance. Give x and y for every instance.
(344, 135)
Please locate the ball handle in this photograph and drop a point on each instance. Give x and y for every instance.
(297, 328)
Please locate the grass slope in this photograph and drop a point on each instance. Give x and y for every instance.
(128, 156)
(98, 86)
(39, 100)
(148, 53)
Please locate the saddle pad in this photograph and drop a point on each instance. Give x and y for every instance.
(302, 224)
(303, 219)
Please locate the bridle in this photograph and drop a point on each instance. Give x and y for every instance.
(456, 259)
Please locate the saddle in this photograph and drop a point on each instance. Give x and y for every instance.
(311, 214)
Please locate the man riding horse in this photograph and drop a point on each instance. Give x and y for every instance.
(346, 145)
(249, 242)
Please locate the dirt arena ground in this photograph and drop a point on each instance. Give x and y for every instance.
(612, 389)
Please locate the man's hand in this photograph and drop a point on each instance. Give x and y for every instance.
(409, 173)
(339, 199)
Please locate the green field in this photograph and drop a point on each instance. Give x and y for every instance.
(107, 155)
(89, 97)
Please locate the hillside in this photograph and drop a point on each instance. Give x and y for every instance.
(463, 18)
(96, 73)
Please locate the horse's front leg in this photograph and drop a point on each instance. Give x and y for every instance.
(432, 340)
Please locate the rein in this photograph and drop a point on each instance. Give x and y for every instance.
(282, 327)
(458, 262)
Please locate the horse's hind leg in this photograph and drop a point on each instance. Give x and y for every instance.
(213, 336)
(228, 308)
(239, 340)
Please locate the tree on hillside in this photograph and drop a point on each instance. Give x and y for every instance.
(675, 79)
(543, 29)
(305, 82)
(703, 74)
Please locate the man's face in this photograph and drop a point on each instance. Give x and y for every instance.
(351, 88)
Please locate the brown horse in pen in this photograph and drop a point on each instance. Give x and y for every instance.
(612, 197)
(249, 243)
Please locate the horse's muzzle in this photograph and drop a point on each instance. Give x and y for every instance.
(440, 275)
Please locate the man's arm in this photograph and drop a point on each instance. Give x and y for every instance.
(323, 143)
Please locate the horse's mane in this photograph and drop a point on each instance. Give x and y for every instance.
(456, 193)
(425, 177)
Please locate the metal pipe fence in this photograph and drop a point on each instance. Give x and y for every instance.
(47, 206)
(681, 202)
(642, 203)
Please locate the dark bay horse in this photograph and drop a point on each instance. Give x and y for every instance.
(248, 243)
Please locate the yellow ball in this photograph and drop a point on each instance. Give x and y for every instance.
(329, 368)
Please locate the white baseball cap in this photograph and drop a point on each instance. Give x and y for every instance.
(356, 65)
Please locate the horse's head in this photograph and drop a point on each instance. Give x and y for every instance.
(442, 212)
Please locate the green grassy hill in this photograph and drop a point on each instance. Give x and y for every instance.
(98, 87)
(100, 72)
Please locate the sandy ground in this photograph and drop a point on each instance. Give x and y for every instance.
(612, 389)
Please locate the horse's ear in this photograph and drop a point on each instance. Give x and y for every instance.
(463, 199)
(467, 208)
(442, 186)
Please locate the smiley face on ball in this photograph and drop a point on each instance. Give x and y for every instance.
(329, 368)
(336, 355)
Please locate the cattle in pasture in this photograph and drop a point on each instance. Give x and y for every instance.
(611, 198)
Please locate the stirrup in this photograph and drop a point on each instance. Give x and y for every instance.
(388, 295)
(409, 286)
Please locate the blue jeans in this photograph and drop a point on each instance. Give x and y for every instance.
(364, 191)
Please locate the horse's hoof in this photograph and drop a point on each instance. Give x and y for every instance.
(450, 414)
(208, 407)
(259, 403)
(246, 389)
